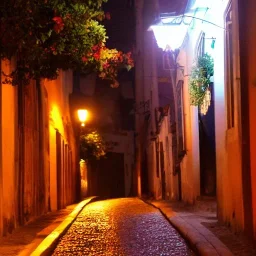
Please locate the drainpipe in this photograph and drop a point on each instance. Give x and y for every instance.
(138, 94)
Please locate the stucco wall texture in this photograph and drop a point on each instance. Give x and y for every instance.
(30, 119)
(250, 57)
(8, 163)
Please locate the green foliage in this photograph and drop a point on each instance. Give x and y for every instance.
(92, 146)
(199, 80)
(49, 35)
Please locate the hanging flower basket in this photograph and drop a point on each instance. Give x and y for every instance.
(199, 80)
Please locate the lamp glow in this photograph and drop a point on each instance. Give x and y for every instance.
(169, 36)
(82, 116)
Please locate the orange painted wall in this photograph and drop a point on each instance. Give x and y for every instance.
(59, 120)
(55, 105)
(9, 154)
(250, 9)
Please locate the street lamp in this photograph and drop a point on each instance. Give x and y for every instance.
(169, 36)
(82, 116)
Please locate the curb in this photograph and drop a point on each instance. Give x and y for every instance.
(202, 244)
(198, 242)
(46, 247)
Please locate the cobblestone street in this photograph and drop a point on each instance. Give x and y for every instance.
(121, 227)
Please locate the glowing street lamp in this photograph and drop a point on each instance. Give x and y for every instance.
(169, 36)
(82, 116)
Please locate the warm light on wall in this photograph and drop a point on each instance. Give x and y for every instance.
(55, 118)
(82, 116)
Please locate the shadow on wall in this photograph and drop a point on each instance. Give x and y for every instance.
(106, 176)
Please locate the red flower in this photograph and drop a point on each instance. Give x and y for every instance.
(84, 59)
(128, 54)
(96, 55)
(53, 49)
(59, 25)
(57, 20)
(95, 47)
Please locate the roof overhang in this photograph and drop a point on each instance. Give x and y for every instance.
(172, 23)
(173, 7)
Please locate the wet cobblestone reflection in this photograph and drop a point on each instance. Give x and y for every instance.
(119, 227)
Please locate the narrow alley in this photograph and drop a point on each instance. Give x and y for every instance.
(127, 127)
(126, 226)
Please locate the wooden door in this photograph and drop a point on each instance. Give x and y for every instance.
(106, 176)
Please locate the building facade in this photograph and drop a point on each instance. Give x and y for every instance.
(38, 150)
(207, 149)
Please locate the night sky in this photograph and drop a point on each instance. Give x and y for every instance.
(121, 26)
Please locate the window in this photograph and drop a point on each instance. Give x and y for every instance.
(200, 50)
(229, 68)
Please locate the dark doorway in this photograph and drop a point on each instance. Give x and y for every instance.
(207, 149)
(106, 176)
(162, 170)
(144, 175)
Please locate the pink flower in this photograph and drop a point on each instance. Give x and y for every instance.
(95, 47)
(114, 84)
(105, 65)
(68, 16)
(107, 16)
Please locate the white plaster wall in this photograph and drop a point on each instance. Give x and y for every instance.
(228, 150)
(170, 180)
(151, 94)
(190, 166)
(162, 138)
(220, 115)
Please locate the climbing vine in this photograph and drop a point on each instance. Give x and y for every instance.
(199, 80)
(48, 35)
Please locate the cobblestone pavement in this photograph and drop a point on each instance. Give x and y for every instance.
(124, 226)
